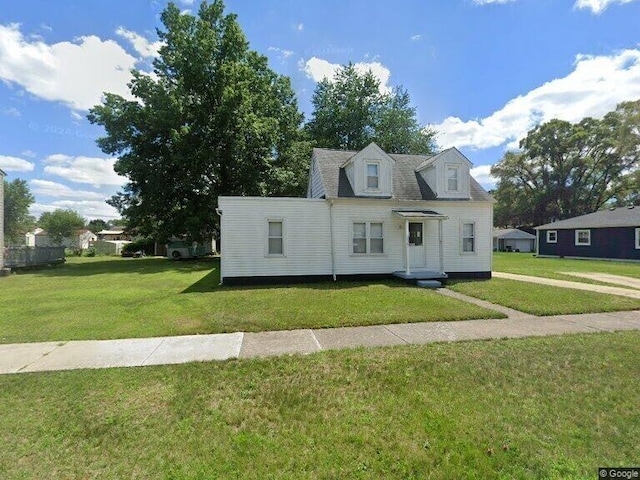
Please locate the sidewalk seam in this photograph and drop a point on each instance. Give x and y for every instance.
(20, 370)
(142, 364)
(395, 334)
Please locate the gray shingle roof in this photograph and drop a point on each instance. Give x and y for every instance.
(407, 184)
(619, 217)
(512, 233)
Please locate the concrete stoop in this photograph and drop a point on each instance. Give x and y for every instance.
(429, 284)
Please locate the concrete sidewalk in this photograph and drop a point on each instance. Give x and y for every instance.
(623, 292)
(38, 357)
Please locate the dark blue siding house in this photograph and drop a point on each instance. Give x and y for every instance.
(613, 234)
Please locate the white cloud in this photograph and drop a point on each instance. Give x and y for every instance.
(143, 46)
(53, 189)
(87, 208)
(281, 53)
(300, 27)
(595, 86)
(92, 171)
(73, 73)
(415, 38)
(15, 164)
(482, 174)
(598, 6)
(318, 69)
(29, 153)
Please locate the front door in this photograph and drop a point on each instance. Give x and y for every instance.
(417, 258)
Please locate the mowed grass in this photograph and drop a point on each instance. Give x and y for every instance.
(543, 299)
(106, 298)
(554, 407)
(527, 264)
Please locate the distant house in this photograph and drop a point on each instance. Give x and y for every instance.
(114, 234)
(82, 239)
(367, 212)
(610, 234)
(513, 240)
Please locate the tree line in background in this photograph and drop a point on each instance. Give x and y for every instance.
(568, 169)
(59, 224)
(214, 119)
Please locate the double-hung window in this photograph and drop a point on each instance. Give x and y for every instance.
(368, 238)
(583, 237)
(373, 176)
(552, 236)
(275, 237)
(468, 237)
(452, 178)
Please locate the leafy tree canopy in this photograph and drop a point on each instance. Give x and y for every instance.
(61, 224)
(563, 170)
(97, 225)
(212, 120)
(17, 221)
(350, 112)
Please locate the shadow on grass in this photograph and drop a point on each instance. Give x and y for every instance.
(211, 283)
(115, 265)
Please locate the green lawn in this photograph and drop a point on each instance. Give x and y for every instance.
(527, 264)
(554, 407)
(542, 299)
(103, 298)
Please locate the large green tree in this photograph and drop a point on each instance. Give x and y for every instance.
(212, 120)
(563, 170)
(349, 112)
(17, 221)
(61, 224)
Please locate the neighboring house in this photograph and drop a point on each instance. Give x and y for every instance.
(366, 213)
(82, 239)
(611, 234)
(114, 234)
(2, 175)
(513, 240)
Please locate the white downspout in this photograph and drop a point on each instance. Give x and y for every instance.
(219, 212)
(333, 253)
(440, 243)
(407, 269)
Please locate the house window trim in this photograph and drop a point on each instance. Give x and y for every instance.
(549, 232)
(267, 237)
(378, 165)
(577, 236)
(457, 168)
(638, 238)
(368, 237)
(462, 237)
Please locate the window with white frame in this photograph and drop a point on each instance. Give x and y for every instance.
(468, 237)
(552, 236)
(583, 237)
(453, 172)
(275, 240)
(373, 176)
(637, 238)
(368, 238)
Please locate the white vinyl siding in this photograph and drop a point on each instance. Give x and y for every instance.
(583, 238)
(368, 238)
(468, 237)
(552, 236)
(637, 238)
(275, 237)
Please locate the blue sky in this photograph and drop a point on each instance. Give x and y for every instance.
(481, 72)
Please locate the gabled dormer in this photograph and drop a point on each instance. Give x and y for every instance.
(370, 172)
(447, 174)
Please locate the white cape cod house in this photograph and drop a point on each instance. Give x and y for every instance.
(366, 213)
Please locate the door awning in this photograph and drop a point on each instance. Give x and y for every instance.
(420, 215)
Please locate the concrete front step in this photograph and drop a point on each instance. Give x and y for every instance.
(429, 284)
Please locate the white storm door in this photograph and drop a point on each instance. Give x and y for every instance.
(417, 257)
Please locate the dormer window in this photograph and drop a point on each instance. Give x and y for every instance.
(373, 176)
(453, 174)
